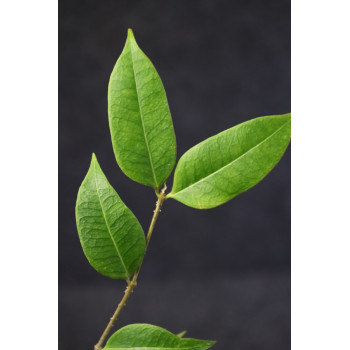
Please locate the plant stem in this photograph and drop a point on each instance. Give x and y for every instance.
(133, 283)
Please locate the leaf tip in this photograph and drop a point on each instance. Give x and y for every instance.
(130, 34)
(94, 162)
(93, 157)
(211, 343)
(181, 334)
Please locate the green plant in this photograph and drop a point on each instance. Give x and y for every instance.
(209, 174)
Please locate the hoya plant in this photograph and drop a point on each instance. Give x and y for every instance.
(206, 176)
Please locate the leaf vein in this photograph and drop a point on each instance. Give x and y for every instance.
(142, 121)
(108, 228)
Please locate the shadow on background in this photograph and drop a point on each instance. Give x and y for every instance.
(221, 274)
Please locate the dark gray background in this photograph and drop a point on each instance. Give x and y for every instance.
(221, 274)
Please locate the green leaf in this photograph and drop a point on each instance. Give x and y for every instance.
(229, 163)
(111, 236)
(141, 127)
(148, 337)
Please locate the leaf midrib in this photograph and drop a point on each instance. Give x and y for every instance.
(141, 117)
(227, 165)
(107, 225)
(156, 347)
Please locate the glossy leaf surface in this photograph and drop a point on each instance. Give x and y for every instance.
(229, 163)
(148, 337)
(111, 236)
(141, 127)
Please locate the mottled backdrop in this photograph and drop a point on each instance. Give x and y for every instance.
(221, 274)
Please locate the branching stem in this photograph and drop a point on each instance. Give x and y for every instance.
(133, 283)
